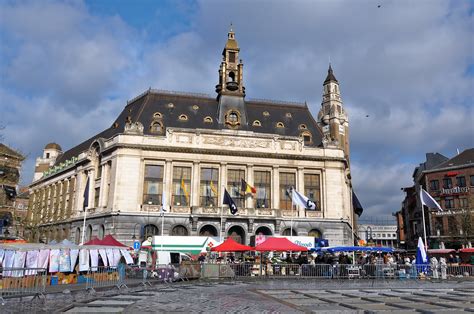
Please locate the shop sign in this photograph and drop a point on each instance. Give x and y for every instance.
(455, 190)
(448, 212)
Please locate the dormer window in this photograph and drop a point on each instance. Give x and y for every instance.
(207, 119)
(302, 127)
(257, 123)
(280, 125)
(157, 115)
(170, 105)
(266, 114)
(307, 137)
(288, 115)
(232, 118)
(183, 117)
(195, 107)
(156, 127)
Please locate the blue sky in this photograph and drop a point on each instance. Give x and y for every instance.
(67, 69)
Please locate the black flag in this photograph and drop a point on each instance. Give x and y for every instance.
(86, 196)
(229, 201)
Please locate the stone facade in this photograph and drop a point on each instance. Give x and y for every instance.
(180, 152)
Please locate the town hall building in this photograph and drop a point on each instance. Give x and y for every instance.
(182, 150)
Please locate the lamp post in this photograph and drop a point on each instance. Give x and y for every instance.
(134, 228)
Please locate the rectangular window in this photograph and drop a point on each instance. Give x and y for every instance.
(447, 183)
(449, 202)
(463, 202)
(472, 180)
(434, 185)
(234, 182)
(96, 197)
(153, 185)
(311, 189)
(287, 181)
(461, 181)
(181, 186)
(263, 183)
(209, 187)
(232, 57)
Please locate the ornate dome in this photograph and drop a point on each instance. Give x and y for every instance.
(53, 146)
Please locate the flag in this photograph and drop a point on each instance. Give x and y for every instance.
(428, 201)
(163, 202)
(186, 194)
(299, 199)
(421, 257)
(213, 189)
(356, 205)
(229, 201)
(86, 196)
(247, 188)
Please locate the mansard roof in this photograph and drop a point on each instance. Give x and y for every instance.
(279, 118)
(466, 158)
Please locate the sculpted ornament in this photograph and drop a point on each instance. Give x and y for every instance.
(133, 128)
(223, 141)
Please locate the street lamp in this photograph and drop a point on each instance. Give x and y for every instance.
(134, 237)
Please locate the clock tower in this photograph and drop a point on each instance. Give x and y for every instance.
(230, 90)
(332, 118)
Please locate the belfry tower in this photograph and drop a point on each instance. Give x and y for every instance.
(332, 118)
(230, 90)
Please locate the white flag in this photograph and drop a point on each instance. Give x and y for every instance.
(299, 199)
(427, 200)
(163, 204)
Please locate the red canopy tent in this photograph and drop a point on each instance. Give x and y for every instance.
(467, 250)
(279, 244)
(230, 245)
(94, 241)
(109, 240)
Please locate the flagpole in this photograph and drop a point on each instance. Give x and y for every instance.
(424, 225)
(162, 227)
(84, 226)
(220, 233)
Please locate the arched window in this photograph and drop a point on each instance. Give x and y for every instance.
(170, 105)
(208, 231)
(257, 123)
(88, 233)
(288, 115)
(315, 233)
(101, 231)
(231, 77)
(183, 117)
(266, 113)
(207, 119)
(195, 107)
(280, 125)
(289, 232)
(302, 127)
(149, 231)
(157, 115)
(179, 231)
(77, 236)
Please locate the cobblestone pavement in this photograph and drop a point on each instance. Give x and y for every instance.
(270, 296)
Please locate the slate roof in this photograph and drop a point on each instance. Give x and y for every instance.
(464, 158)
(5, 150)
(196, 107)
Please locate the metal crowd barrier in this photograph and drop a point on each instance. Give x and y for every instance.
(22, 282)
(105, 276)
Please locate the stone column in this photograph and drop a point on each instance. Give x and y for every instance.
(195, 181)
(168, 182)
(300, 188)
(222, 185)
(276, 187)
(103, 186)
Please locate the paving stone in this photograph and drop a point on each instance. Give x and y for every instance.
(88, 309)
(373, 307)
(111, 302)
(418, 305)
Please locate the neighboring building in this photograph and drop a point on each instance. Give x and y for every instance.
(379, 235)
(450, 182)
(10, 165)
(182, 150)
(401, 232)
